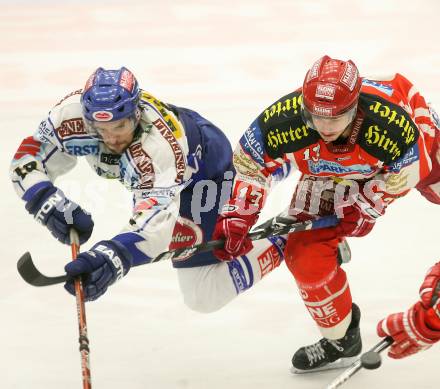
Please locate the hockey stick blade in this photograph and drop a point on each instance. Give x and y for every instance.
(32, 275)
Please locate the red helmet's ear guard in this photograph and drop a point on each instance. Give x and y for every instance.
(331, 87)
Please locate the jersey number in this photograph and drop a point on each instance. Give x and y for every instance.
(22, 171)
(314, 156)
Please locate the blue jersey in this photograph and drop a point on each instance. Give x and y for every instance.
(165, 167)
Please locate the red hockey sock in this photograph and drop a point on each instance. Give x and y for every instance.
(311, 256)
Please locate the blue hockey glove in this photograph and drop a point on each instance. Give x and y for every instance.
(104, 264)
(51, 208)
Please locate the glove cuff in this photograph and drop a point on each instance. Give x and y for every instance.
(34, 189)
(34, 204)
(240, 209)
(428, 290)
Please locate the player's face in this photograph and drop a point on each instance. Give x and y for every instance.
(331, 129)
(116, 135)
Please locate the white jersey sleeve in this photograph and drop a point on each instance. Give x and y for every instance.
(43, 157)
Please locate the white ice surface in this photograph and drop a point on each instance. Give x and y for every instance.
(227, 60)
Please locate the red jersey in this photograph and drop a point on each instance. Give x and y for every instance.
(391, 140)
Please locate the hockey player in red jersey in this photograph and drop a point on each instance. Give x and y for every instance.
(359, 144)
(418, 328)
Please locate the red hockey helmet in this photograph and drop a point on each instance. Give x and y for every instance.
(331, 87)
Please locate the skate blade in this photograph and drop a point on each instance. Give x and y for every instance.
(338, 364)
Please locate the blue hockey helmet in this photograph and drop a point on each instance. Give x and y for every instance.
(110, 95)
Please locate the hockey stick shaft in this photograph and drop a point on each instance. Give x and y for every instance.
(33, 276)
(259, 233)
(82, 323)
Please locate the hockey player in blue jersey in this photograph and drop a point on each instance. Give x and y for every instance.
(178, 166)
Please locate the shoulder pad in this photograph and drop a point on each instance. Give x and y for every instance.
(388, 130)
(73, 97)
(64, 120)
(164, 110)
(283, 128)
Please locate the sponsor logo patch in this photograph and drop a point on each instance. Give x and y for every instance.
(411, 156)
(238, 276)
(186, 233)
(350, 76)
(159, 192)
(268, 260)
(400, 118)
(321, 110)
(325, 315)
(229, 208)
(396, 183)
(145, 205)
(276, 138)
(143, 164)
(246, 165)
(110, 159)
(388, 130)
(45, 131)
(388, 90)
(344, 158)
(71, 127)
(127, 80)
(251, 145)
(102, 116)
(314, 71)
(82, 150)
(175, 147)
(116, 261)
(325, 91)
(289, 105)
(89, 82)
(323, 166)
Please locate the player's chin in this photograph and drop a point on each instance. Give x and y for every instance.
(329, 139)
(118, 149)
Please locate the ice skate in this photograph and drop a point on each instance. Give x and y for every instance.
(330, 354)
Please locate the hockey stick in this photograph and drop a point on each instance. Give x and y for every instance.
(371, 359)
(82, 324)
(358, 364)
(273, 227)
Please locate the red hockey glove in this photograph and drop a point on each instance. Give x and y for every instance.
(354, 222)
(418, 328)
(429, 290)
(233, 225)
(361, 209)
(409, 331)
